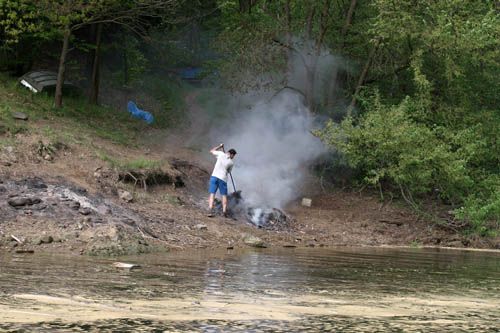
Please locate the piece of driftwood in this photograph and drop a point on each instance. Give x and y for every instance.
(16, 239)
(125, 265)
(398, 223)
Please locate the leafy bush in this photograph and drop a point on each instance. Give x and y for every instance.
(388, 146)
(482, 209)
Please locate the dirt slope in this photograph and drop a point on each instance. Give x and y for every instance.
(75, 202)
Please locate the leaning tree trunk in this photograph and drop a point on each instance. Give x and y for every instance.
(309, 21)
(362, 77)
(309, 90)
(348, 19)
(310, 62)
(62, 68)
(331, 93)
(94, 88)
(311, 68)
(289, 50)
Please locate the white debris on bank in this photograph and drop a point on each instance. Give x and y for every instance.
(306, 202)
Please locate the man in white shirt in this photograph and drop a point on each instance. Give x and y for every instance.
(218, 180)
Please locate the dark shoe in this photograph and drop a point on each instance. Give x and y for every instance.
(226, 215)
(211, 213)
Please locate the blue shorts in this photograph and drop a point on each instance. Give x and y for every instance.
(216, 183)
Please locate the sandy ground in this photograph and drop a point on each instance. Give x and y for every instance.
(211, 307)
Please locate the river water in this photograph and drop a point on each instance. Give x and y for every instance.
(268, 290)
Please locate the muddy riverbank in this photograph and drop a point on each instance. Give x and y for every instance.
(78, 201)
(57, 216)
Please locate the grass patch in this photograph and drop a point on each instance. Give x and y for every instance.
(7, 123)
(6, 142)
(77, 119)
(415, 244)
(142, 163)
(142, 172)
(137, 164)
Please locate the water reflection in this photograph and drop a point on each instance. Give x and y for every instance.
(288, 290)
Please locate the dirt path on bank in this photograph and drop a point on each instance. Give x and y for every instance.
(74, 202)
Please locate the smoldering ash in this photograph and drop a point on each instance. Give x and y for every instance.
(275, 148)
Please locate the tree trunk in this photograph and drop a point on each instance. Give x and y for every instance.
(94, 88)
(89, 63)
(289, 51)
(315, 53)
(309, 22)
(339, 75)
(245, 5)
(310, 77)
(348, 19)
(331, 89)
(62, 67)
(310, 67)
(362, 77)
(125, 68)
(323, 24)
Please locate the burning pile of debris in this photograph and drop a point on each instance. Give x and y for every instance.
(261, 217)
(268, 218)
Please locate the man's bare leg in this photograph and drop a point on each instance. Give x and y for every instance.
(211, 201)
(224, 204)
(211, 205)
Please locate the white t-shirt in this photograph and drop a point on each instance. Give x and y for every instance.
(223, 165)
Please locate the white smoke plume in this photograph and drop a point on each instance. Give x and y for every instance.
(275, 147)
(273, 135)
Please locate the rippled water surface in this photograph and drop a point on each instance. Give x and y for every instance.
(286, 290)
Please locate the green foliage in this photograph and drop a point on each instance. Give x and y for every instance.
(22, 33)
(86, 121)
(137, 164)
(482, 207)
(8, 124)
(10, 104)
(134, 62)
(247, 41)
(415, 244)
(434, 126)
(457, 41)
(17, 17)
(169, 95)
(387, 145)
(215, 103)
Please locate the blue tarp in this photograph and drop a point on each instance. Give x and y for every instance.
(191, 73)
(139, 114)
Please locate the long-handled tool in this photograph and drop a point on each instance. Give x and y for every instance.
(230, 175)
(232, 181)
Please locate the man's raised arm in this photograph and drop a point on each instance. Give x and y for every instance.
(214, 149)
